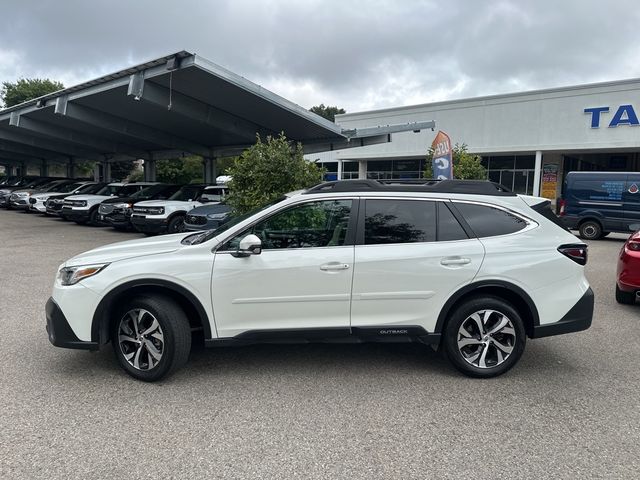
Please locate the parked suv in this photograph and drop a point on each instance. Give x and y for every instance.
(84, 208)
(20, 198)
(117, 211)
(167, 216)
(54, 203)
(462, 265)
(22, 183)
(37, 200)
(596, 203)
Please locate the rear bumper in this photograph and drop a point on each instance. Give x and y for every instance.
(60, 333)
(577, 319)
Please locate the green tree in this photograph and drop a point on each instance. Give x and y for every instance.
(180, 170)
(14, 93)
(121, 170)
(267, 170)
(327, 112)
(466, 166)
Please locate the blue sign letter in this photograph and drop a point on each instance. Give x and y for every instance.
(631, 118)
(595, 115)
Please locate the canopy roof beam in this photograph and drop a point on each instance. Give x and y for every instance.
(54, 147)
(122, 126)
(44, 129)
(189, 107)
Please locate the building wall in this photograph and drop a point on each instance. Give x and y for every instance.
(548, 121)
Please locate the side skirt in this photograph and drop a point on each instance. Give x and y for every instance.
(391, 334)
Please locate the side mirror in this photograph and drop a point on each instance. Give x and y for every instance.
(249, 245)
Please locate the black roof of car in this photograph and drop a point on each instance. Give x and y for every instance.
(474, 187)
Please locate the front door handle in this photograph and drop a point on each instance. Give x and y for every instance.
(455, 261)
(333, 266)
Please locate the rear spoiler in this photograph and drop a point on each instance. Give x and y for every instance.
(543, 207)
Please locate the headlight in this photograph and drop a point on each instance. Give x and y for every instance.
(123, 205)
(216, 216)
(155, 210)
(72, 275)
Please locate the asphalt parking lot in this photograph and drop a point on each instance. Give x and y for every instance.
(570, 409)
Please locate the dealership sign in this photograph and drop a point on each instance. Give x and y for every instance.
(625, 115)
(442, 163)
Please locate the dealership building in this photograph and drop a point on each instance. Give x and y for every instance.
(528, 141)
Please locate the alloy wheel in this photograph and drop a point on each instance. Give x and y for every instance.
(486, 338)
(141, 339)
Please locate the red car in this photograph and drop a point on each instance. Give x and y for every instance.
(628, 284)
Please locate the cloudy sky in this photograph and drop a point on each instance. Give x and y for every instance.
(359, 55)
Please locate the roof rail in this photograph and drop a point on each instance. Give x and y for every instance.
(473, 187)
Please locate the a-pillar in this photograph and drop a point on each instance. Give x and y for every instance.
(362, 169)
(210, 170)
(537, 174)
(149, 167)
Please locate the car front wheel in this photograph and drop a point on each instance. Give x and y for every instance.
(151, 337)
(484, 337)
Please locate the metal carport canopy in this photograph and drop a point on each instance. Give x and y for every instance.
(175, 105)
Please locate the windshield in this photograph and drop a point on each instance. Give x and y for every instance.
(91, 188)
(186, 193)
(61, 187)
(108, 190)
(156, 191)
(68, 187)
(202, 237)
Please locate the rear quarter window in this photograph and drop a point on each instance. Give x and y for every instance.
(487, 221)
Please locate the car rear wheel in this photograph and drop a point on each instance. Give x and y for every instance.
(590, 230)
(484, 337)
(151, 337)
(626, 298)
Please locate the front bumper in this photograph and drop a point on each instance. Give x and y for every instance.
(60, 333)
(148, 225)
(20, 203)
(116, 220)
(577, 319)
(75, 215)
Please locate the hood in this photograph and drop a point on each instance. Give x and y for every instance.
(129, 249)
(217, 208)
(120, 200)
(49, 195)
(169, 203)
(88, 197)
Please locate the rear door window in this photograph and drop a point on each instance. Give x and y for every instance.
(487, 221)
(399, 221)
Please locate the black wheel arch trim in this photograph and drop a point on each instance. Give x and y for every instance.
(472, 287)
(99, 329)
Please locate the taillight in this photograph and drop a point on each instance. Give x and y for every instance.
(562, 208)
(576, 252)
(634, 245)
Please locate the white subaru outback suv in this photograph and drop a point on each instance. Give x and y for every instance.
(462, 265)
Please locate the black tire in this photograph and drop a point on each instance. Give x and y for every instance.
(590, 230)
(626, 298)
(462, 358)
(93, 218)
(176, 224)
(176, 333)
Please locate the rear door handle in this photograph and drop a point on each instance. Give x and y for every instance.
(333, 266)
(455, 261)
